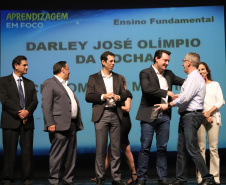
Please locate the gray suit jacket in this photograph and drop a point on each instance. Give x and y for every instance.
(96, 87)
(56, 106)
(151, 92)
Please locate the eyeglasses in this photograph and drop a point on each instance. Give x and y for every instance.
(185, 60)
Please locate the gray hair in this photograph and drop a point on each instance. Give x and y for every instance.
(195, 59)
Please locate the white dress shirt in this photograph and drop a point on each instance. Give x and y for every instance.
(163, 84)
(22, 82)
(192, 93)
(108, 81)
(74, 106)
(214, 97)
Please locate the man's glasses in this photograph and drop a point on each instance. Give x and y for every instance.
(185, 60)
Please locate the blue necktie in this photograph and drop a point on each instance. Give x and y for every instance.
(21, 94)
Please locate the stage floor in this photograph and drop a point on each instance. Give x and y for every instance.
(87, 181)
(85, 169)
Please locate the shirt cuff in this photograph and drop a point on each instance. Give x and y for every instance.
(218, 105)
(175, 102)
(102, 99)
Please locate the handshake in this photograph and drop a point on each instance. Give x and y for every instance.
(172, 95)
(165, 106)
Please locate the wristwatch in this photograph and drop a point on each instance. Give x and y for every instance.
(169, 106)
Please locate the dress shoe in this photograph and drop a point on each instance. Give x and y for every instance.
(27, 182)
(99, 181)
(141, 182)
(71, 183)
(178, 183)
(7, 182)
(133, 179)
(208, 183)
(118, 182)
(94, 179)
(163, 182)
(55, 184)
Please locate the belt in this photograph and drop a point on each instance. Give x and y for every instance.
(110, 108)
(186, 112)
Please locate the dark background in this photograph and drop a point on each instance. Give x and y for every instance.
(107, 4)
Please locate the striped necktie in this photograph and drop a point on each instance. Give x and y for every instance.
(21, 94)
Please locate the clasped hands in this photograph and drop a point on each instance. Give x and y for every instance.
(208, 117)
(111, 96)
(23, 114)
(164, 106)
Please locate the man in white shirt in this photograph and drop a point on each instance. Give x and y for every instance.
(190, 106)
(62, 118)
(105, 91)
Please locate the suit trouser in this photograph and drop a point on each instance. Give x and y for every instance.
(109, 122)
(10, 142)
(62, 157)
(188, 145)
(212, 130)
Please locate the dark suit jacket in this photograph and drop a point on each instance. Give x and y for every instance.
(10, 100)
(56, 106)
(96, 87)
(151, 92)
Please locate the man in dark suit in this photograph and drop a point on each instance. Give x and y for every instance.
(156, 84)
(105, 90)
(19, 100)
(62, 118)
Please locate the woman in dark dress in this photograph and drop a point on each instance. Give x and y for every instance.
(125, 144)
(125, 129)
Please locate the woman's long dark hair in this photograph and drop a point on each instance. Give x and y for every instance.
(208, 70)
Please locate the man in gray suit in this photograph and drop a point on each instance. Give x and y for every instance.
(105, 90)
(62, 118)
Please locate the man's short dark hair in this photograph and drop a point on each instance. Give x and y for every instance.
(158, 54)
(104, 55)
(17, 60)
(58, 66)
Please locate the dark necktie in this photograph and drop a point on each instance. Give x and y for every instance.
(21, 94)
